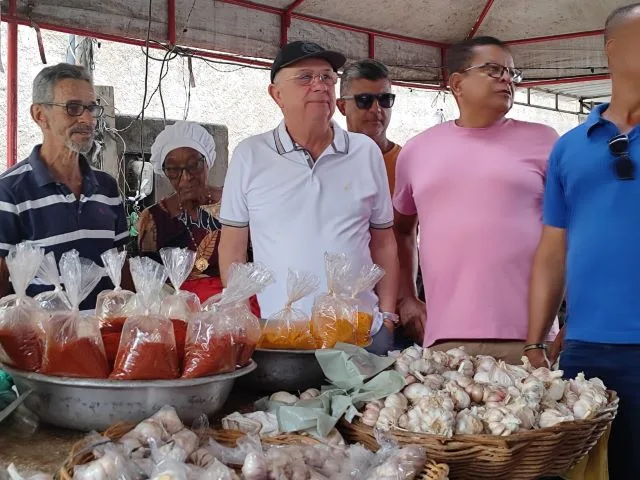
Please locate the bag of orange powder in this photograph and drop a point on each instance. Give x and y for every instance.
(366, 280)
(334, 315)
(73, 346)
(21, 317)
(147, 349)
(55, 300)
(291, 328)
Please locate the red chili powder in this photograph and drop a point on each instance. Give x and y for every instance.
(204, 359)
(82, 358)
(146, 361)
(22, 346)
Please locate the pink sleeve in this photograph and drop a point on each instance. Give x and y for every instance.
(403, 200)
(549, 137)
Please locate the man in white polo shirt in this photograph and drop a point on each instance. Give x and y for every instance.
(309, 187)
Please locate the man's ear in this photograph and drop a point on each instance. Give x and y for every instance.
(39, 116)
(341, 104)
(455, 83)
(274, 92)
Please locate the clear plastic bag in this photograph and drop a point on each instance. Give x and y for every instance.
(334, 316)
(181, 306)
(21, 318)
(226, 333)
(147, 348)
(111, 305)
(291, 328)
(73, 345)
(393, 462)
(367, 278)
(52, 300)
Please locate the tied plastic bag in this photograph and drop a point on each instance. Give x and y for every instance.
(147, 348)
(334, 316)
(112, 305)
(52, 300)
(291, 328)
(182, 305)
(73, 345)
(226, 333)
(393, 462)
(366, 280)
(21, 318)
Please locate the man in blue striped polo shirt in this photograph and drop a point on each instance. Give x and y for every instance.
(54, 197)
(591, 244)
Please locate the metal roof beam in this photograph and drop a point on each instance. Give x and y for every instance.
(551, 38)
(480, 19)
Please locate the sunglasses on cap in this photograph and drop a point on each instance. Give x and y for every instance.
(365, 100)
(623, 167)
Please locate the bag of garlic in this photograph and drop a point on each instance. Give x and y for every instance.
(147, 349)
(291, 328)
(21, 318)
(334, 316)
(367, 278)
(52, 300)
(73, 345)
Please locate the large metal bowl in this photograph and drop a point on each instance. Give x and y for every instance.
(290, 370)
(92, 404)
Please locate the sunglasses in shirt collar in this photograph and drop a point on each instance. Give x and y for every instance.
(623, 166)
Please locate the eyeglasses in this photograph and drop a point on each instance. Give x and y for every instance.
(75, 109)
(497, 71)
(307, 78)
(365, 100)
(623, 167)
(192, 168)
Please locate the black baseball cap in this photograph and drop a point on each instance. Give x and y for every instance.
(296, 51)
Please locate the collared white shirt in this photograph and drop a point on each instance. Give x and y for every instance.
(297, 209)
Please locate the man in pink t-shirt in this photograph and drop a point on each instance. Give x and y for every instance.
(475, 186)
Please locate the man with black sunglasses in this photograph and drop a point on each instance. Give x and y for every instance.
(475, 186)
(590, 244)
(55, 198)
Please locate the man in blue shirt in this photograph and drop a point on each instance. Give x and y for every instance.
(591, 245)
(54, 198)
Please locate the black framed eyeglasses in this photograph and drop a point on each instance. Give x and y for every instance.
(496, 71)
(365, 100)
(623, 166)
(193, 168)
(75, 109)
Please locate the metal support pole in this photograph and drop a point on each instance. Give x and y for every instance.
(171, 22)
(12, 88)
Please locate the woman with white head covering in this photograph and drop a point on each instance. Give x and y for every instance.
(185, 152)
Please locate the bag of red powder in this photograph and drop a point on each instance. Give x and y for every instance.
(72, 343)
(181, 306)
(147, 348)
(52, 300)
(113, 306)
(226, 333)
(21, 317)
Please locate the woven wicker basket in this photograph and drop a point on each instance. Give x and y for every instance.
(521, 456)
(79, 454)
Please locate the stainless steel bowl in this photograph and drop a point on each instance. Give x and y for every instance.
(92, 404)
(290, 370)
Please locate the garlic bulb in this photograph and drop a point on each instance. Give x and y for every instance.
(523, 412)
(466, 368)
(434, 381)
(414, 352)
(423, 367)
(309, 394)
(546, 375)
(501, 422)
(468, 423)
(436, 421)
(484, 363)
(402, 365)
(456, 356)
(440, 358)
(409, 379)
(551, 417)
(388, 418)
(584, 408)
(438, 399)
(517, 372)
(397, 400)
(371, 414)
(494, 393)
(461, 399)
(475, 391)
(498, 374)
(417, 391)
(284, 397)
(532, 390)
(555, 389)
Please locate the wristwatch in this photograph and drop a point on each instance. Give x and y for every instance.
(392, 317)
